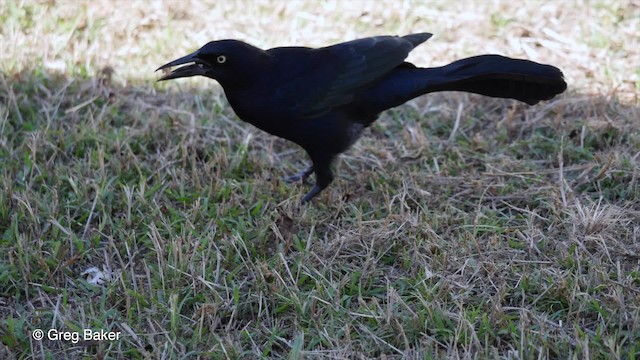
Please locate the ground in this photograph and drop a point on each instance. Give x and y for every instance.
(458, 227)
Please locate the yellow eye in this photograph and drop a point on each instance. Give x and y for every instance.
(221, 59)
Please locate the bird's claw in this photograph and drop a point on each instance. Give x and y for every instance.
(311, 194)
(301, 175)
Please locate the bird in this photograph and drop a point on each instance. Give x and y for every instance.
(323, 98)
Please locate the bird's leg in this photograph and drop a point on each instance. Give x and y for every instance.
(321, 184)
(300, 175)
(324, 177)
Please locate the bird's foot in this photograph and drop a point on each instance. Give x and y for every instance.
(301, 175)
(311, 194)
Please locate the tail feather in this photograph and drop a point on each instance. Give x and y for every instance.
(489, 75)
(499, 76)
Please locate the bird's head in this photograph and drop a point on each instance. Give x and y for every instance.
(225, 61)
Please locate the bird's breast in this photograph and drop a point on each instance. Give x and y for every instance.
(259, 111)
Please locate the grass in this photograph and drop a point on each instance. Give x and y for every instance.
(512, 235)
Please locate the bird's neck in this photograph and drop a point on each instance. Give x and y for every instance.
(247, 110)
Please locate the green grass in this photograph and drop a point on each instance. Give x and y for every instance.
(516, 236)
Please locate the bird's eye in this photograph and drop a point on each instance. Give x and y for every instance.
(221, 59)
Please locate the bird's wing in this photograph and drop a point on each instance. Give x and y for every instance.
(332, 75)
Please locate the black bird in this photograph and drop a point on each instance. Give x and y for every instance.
(322, 99)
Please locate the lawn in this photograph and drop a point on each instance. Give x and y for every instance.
(459, 226)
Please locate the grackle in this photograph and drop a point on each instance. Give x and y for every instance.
(322, 99)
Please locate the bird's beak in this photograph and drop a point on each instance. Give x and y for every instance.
(196, 68)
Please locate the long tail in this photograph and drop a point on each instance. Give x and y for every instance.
(490, 75)
(499, 76)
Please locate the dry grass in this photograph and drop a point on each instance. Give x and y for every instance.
(515, 234)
